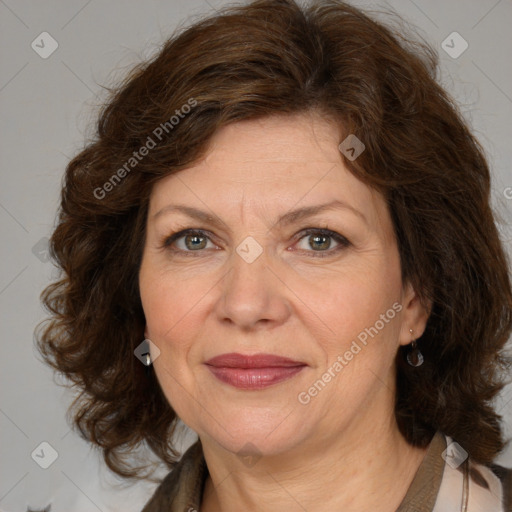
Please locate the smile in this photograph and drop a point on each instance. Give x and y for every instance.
(253, 372)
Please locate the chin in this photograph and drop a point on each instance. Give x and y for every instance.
(266, 432)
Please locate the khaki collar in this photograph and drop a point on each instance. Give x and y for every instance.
(422, 493)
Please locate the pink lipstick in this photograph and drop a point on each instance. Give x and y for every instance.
(253, 371)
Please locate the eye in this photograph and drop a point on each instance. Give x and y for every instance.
(188, 240)
(313, 240)
(320, 241)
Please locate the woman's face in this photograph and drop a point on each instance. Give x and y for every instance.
(289, 256)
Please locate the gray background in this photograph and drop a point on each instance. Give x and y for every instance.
(47, 106)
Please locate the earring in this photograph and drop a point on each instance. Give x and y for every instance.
(414, 357)
(148, 365)
(148, 360)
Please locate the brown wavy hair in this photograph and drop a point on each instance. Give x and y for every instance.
(273, 57)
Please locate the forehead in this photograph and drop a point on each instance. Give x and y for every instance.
(295, 138)
(274, 164)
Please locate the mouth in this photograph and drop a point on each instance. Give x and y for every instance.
(253, 371)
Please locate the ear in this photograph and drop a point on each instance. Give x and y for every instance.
(146, 335)
(414, 316)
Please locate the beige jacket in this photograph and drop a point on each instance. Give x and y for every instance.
(446, 481)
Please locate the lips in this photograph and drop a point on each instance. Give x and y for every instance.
(234, 360)
(253, 371)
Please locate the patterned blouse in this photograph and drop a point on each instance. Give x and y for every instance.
(446, 481)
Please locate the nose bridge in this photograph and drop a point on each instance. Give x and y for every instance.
(251, 294)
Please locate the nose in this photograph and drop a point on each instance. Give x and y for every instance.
(253, 294)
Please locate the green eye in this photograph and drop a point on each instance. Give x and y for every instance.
(320, 241)
(188, 240)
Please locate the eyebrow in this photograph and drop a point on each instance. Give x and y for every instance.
(288, 218)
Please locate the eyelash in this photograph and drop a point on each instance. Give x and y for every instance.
(341, 240)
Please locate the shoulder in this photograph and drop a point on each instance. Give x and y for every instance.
(505, 477)
(467, 485)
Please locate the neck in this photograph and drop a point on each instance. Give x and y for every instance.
(351, 472)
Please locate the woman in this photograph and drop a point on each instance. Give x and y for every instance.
(287, 221)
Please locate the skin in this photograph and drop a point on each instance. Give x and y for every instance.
(342, 450)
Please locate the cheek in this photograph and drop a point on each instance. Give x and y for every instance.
(361, 315)
(169, 301)
(347, 303)
(171, 305)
